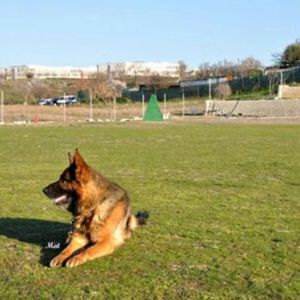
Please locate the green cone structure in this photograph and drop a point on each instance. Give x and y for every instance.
(153, 112)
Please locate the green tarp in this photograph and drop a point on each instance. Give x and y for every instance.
(153, 112)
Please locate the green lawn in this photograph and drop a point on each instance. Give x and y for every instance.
(224, 204)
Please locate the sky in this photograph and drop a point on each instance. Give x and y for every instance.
(88, 32)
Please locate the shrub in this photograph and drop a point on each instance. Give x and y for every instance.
(222, 90)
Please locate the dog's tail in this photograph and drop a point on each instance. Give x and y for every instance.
(139, 219)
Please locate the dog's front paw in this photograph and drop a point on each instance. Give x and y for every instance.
(57, 261)
(76, 261)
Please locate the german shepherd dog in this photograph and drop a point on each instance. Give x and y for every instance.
(102, 218)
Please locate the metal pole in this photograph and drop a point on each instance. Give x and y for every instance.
(270, 85)
(64, 109)
(143, 105)
(206, 107)
(209, 88)
(2, 107)
(91, 106)
(165, 104)
(183, 103)
(281, 78)
(115, 104)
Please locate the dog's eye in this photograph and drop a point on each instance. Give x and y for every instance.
(63, 180)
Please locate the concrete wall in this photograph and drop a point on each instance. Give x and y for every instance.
(288, 92)
(259, 108)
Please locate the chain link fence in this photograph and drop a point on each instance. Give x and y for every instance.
(259, 108)
(20, 114)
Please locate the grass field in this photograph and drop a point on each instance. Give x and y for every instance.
(223, 199)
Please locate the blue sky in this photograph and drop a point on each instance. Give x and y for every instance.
(87, 32)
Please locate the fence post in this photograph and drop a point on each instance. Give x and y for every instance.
(2, 107)
(64, 112)
(270, 86)
(115, 104)
(91, 106)
(165, 104)
(143, 105)
(209, 88)
(207, 102)
(183, 103)
(280, 87)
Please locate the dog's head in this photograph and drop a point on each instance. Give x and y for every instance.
(67, 188)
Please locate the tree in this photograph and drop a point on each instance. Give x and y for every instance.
(155, 81)
(291, 55)
(82, 87)
(29, 77)
(204, 71)
(222, 90)
(104, 91)
(182, 68)
(249, 67)
(42, 89)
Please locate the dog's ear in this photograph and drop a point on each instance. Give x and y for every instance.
(78, 159)
(70, 158)
(81, 167)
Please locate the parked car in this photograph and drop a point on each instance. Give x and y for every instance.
(45, 101)
(68, 99)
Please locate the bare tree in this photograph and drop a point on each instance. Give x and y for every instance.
(222, 90)
(42, 89)
(155, 82)
(29, 77)
(104, 91)
(203, 71)
(247, 67)
(182, 69)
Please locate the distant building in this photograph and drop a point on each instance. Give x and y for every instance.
(112, 69)
(43, 72)
(139, 68)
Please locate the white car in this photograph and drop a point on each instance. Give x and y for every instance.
(68, 99)
(45, 101)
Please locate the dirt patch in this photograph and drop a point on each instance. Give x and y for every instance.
(81, 113)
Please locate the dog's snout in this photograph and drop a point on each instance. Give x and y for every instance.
(53, 190)
(45, 190)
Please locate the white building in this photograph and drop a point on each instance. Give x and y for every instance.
(140, 68)
(113, 69)
(42, 72)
